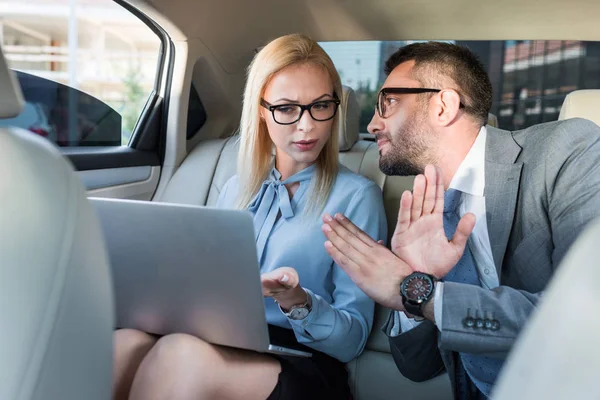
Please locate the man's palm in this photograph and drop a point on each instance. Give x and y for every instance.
(419, 238)
(425, 247)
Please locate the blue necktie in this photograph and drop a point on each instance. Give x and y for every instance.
(483, 371)
(272, 199)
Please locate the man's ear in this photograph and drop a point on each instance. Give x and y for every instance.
(447, 106)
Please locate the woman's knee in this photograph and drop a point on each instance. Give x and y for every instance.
(130, 348)
(185, 351)
(132, 338)
(131, 345)
(178, 366)
(185, 366)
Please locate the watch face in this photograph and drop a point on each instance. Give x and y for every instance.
(417, 288)
(299, 313)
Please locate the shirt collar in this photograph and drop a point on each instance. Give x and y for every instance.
(299, 176)
(470, 176)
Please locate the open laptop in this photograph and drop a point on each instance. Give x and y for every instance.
(187, 269)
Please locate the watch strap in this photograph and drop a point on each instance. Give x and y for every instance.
(307, 304)
(411, 308)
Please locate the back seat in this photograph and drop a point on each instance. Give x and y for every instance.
(199, 179)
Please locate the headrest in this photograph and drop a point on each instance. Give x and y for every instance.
(581, 104)
(492, 120)
(11, 97)
(349, 119)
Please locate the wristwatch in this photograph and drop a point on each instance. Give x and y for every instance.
(416, 290)
(299, 311)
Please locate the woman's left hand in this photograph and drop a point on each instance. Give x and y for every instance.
(283, 284)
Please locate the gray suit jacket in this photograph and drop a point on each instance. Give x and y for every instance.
(542, 186)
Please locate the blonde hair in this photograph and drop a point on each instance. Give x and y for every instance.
(256, 147)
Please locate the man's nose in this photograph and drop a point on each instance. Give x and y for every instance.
(376, 124)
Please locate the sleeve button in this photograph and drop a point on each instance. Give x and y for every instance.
(487, 323)
(469, 322)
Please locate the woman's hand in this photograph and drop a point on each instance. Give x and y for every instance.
(283, 285)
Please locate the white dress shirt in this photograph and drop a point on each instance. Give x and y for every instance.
(470, 180)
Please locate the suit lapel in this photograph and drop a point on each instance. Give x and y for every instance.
(502, 178)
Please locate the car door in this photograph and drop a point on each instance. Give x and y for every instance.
(98, 93)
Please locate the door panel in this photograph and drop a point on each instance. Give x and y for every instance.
(102, 178)
(134, 183)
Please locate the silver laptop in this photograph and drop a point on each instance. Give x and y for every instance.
(187, 269)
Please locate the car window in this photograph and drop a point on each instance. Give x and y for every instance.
(87, 68)
(47, 113)
(196, 114)
(530, 78)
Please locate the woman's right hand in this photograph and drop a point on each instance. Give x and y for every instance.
(283, 285)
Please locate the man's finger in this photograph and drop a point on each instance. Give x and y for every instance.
(430, 189)
(342, 226)
(355, 230)
(463, 230)
(418, 196)
(350, 267)
(439, 193)
(348, 244)
(404, 213)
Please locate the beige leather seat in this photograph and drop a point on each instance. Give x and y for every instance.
(492, 120)
(557, 355)
(56, 304)
(200, 177)
(581, 104)
(205, 170)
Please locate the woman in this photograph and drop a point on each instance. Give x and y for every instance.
(290, 108)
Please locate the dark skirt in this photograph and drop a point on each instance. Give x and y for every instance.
(317, 377)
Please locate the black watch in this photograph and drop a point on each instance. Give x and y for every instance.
(416, 290)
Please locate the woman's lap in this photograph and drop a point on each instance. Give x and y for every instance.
(319, 376)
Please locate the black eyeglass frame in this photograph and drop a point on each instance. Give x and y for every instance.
(303, 108)
(403, 90)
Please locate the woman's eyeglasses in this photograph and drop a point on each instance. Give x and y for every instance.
(287, 114)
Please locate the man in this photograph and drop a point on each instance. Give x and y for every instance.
(521, 198)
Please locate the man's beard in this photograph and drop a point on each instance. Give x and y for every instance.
(393, 166)
(408, 151)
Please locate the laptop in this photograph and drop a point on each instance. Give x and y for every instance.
(187, 269)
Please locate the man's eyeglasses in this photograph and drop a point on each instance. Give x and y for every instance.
(382, 105)
(287, 114)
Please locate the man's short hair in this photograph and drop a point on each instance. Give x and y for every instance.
(441, 65)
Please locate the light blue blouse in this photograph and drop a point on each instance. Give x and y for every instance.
(342, 315)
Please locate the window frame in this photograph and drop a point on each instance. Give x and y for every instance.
(165, 62)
